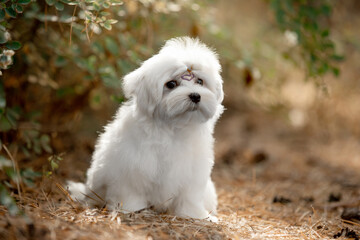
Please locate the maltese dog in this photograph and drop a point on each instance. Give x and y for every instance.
(158, 151)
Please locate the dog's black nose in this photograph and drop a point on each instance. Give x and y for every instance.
(195, 97)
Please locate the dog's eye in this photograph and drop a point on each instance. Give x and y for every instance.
(199, 81)
(171, 84)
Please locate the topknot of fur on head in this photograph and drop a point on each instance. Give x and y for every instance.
(187, 46)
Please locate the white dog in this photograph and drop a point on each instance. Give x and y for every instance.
(158, 151)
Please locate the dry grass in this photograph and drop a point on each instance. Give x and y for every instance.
(246, 187)
(259, 157)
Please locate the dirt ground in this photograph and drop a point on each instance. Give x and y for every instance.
(273, 182)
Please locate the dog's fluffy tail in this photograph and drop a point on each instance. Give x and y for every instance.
(81, 193)
(77, 190)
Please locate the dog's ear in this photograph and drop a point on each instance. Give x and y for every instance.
(130, 82)
(219, 88)
(139, 86)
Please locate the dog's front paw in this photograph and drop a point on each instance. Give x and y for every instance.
(192, 212)
(212, 218)
(131, 202)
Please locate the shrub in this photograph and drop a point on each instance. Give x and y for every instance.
(57, 57)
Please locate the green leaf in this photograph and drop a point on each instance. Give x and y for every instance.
(88, 15)
(8, 120)
(12, 174)
(2, 96)
(4, 59)
(2, 103)
(4, 162)
(54, 161)
(337, 58)
(107, 25)
(112, 46)
(97, 48)
(7, 201)
(50, 2)
(280, 16)
(91, 64)
(109, 76)
(25, 151)
(54, 165)
(3, 37)
(11, 12)
(289, 6)
(4, 124)
(13, 45)
(325, 33)
(124, 66)
(323, 68)
(59, 6)
(112, 21)
(11, 117)
(71, 3)
(2, 15)
(116, 2)
(336, 71)
(30, 174)
(19, 8)
(117, 99)
(60, 61)
(328, 45)
(23, 2)
(36, 146)
(106, 5)
(45, 143)
(326, 10)
(103, 13)
(96, 6)
(28, 182)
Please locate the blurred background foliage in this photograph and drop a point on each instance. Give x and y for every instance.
(62, 58)
(307, 28)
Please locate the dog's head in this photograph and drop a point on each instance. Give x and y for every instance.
(181, 83)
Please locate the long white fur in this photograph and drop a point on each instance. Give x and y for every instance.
(158, 151)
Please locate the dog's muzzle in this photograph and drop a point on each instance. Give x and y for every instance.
(195, 97)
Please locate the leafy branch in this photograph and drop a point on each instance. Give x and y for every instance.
(306, 24)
